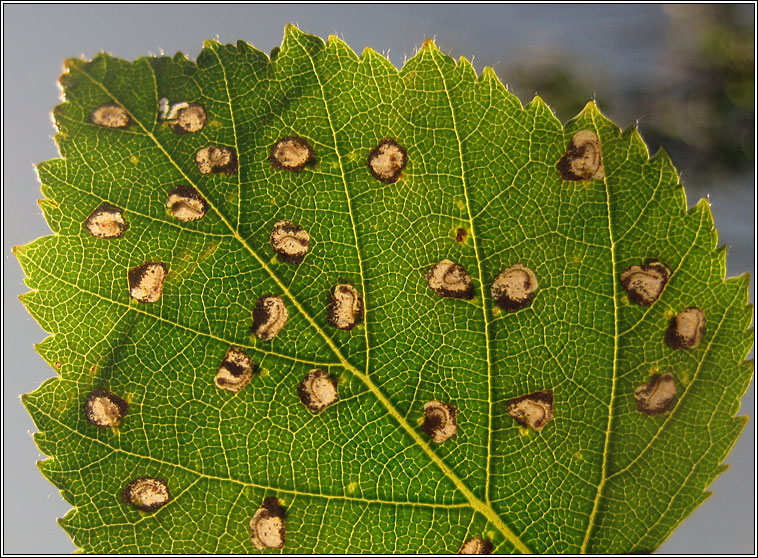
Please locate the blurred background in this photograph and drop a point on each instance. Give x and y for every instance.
(684, 74)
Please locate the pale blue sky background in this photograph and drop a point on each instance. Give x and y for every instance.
(620, 44)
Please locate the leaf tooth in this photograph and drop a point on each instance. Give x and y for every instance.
(467, 69)
(373, 58)
(537, 107)
(636, 143)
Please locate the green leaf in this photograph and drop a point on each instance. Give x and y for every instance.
(481, 188)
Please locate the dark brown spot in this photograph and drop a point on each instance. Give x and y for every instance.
(644, 283)
(317, 391)
(105, 409)
(461, 234)
(387, 160)
(686, 329)
(107, 221)
(291, 153)
(450, 280)
(514, 287)
(346, 308)
(267, 527)
(216, 159)
(186, 204)
(533, 410)
(476, 546)
(189, 118)
(269, 316)
(235, 371)
(146, 281)
(110, 115)
(289, 241)
(146, 494)
(656, 397)
(439, 421)
(583, 159)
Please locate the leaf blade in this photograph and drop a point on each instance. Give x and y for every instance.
(383, 384)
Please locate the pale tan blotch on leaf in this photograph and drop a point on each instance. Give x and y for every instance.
(187, 118)
(686, 329)
(656, 397)
(146, 494)
(439, 421)
(269, 316)
(644, 283)
(110, 115)
(105, 409)
(317, 391)
(289, 241)
(387, 160)
(450, 280)
(533, 410)
(146, 281)
(583, 159)
(107, 221)
(186, 204)
(235, 371)
(476, 546)
(291, 153)
(267, 528)
(346, 309)
(514, 287)
(216, 159)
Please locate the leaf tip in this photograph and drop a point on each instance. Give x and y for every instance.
(489, 73)
(291, 30)
(211, 44)
(428, 45)
(590, 110)
(24, 398)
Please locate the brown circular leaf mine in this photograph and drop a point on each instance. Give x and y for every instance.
(269, 316)
(105, 409)
(514, 287)
(186, 204)
(289, 241)
(346, 309)
(317, 391)
(146, 281)
(450, 280)
(476, 546)
(644, 283)
(190, 119)
(216, 159)
(387, 160)
(439, 421)
(235, 370)
(583, 159)
(291, 153)
(656, 397)
(460, 235)
(146, 494)
(110, 115)
(686, 329)
(107, 221)
(267, 528)
(533, 410)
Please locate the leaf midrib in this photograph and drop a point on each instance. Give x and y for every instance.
(476, 503)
